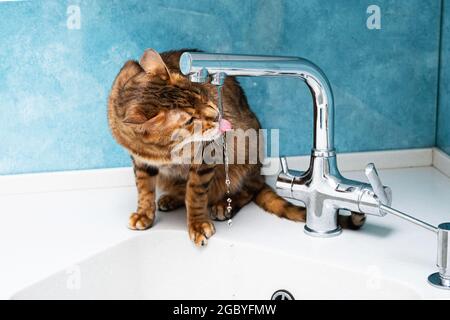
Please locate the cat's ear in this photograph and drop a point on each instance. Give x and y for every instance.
(153, 64)
(135, 115)
(129, 70)
(136, 118)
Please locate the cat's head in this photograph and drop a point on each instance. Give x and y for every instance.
(153, 109)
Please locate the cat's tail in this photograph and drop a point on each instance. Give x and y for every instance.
(271, 202)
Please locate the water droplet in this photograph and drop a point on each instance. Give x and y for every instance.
(225, 157)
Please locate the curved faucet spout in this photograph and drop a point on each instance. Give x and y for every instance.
(200, 66)
(322, 189)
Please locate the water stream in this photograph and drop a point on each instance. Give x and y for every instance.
(225, 156)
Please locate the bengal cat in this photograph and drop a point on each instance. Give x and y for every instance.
(149, 101)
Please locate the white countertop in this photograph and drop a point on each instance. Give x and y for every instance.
(44, 232)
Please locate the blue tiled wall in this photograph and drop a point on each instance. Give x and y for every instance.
(443, 128)
(54, 80)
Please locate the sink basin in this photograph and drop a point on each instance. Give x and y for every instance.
(96, 256)
(163, 264)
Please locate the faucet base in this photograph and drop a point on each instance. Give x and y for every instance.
(326, 234)
(436, 280)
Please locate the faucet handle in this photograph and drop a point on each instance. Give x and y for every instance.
(289, 172)
(377, 186)
(284, 165)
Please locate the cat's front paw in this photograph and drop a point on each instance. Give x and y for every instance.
(201, 231)
(140, 221)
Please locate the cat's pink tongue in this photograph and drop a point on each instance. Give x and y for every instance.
(224, 125)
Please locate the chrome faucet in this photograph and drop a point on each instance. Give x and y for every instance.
(322, 189)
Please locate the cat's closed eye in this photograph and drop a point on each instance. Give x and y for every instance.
(212, 112)
(189, 121)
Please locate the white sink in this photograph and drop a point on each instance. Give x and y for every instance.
(259, 254)
(165, 265)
